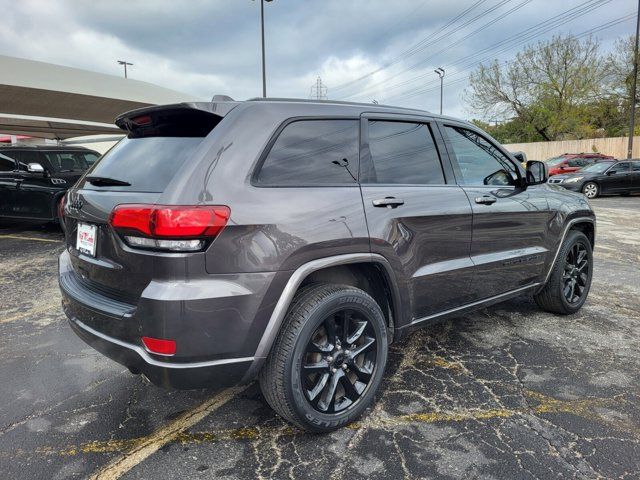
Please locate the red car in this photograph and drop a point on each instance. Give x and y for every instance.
(572, 162)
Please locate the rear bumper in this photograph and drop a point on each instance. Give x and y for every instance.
(216, 322)
(215, 373)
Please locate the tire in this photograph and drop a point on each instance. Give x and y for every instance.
(285, 380)
(554, 296)
(591, 190)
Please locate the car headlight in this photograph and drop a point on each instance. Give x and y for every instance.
(573, 179)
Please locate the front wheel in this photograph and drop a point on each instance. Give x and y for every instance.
(328, 360)
(570, 280)
(591, 190)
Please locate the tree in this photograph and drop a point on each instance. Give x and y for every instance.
(547, 89)
(620, 68)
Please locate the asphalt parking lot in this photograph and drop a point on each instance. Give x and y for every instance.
(506, 392)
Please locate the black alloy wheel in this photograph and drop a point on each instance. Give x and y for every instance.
(328, 359)
(339, 361)
(569, 280)
(576, 273)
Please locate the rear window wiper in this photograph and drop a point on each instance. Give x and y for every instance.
(106, 182)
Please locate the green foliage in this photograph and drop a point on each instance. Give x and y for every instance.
(560, 89)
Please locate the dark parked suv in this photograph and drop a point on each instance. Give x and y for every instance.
(33, 179)
(292, 241)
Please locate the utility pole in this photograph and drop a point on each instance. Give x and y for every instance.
(124, 63)
(318, 90)
(264, 70)
(632, 121)
(440, 72)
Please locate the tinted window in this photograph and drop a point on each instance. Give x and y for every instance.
(620, 168)
(7, 164)
(313, 152)
(67, 161)
(30, 156)
(636, 166)
(148, 163)
(90, 158)
(479, 162)
(403, 153)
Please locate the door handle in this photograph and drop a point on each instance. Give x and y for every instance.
(389, 202)
(485, 200)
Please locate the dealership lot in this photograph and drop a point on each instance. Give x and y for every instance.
(507, 392)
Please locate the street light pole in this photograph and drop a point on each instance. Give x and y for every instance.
(124, 63)
(264, 73)
(440, 72)
(632, 121)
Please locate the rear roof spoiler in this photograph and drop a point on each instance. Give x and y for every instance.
(140, 119)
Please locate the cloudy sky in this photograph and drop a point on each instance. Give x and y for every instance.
(363, 50)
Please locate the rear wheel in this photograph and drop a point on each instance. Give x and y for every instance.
(328, 360)
(570, 279)
(591, 190)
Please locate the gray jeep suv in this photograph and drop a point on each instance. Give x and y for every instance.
(293, 241)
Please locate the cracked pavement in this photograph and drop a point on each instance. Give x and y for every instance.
(504, 392)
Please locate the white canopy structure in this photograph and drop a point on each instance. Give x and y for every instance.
(51, 101)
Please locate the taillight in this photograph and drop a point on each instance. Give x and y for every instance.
(169, 227)
(159, 346)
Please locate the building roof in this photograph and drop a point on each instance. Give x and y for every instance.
(43, 90)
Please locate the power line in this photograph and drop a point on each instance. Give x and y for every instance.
(421, 62)
(604, 26)
(517, 39)
(425, 42)
(509, 43)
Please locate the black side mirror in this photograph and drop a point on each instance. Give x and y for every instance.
(537, 172)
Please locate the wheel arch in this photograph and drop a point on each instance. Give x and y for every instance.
(588, 228)
(371, 271)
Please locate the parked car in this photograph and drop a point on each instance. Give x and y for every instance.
(293, 241)
(603, 178)
(573, 162)
(33, 179)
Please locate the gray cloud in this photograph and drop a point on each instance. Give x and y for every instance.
(205, 47)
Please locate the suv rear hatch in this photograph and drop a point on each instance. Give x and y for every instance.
(160, 142)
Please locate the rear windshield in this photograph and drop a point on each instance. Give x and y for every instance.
(147, 163)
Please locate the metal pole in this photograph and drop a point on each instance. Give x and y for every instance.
(632, 120)
(264, 74)
(125, 70)
(441, 89)
(440, 72)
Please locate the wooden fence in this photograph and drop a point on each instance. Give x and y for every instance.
(615, 146)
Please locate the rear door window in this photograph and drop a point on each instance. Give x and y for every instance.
(148, 164)
(402, 153)
(313, 152)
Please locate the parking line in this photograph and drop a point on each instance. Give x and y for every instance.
(37, 239)
(152, 443)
